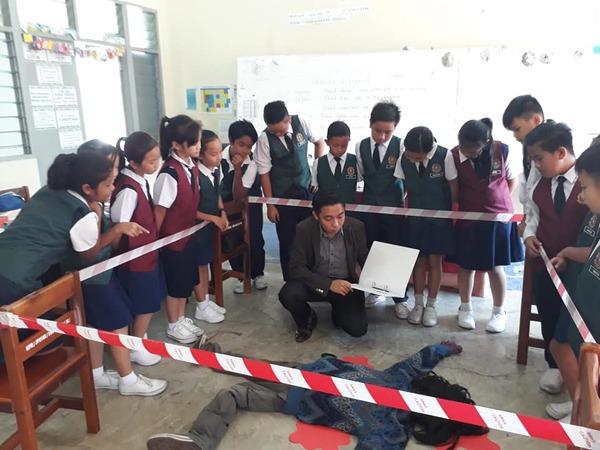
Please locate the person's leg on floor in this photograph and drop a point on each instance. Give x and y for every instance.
(348, 312)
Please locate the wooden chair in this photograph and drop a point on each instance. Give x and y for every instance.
(586, 405)
(237, 213)
(527, 316)
(27, 381)
(23, 191)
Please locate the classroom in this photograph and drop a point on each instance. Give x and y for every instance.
(72, 71)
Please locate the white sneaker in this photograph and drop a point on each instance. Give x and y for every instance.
(559, 410)
(216, 307)
(144, 357)
(552, 381)
(181, 333)
(166, 441)
(239, 287)
(209, 315)
(144, 386)
(416, 315)
(401, 310)
(260, 283)
(108, 380)
(466, 319)
(566, 419)
(429, 317)
(191, 326)
(497, 323)
(372, 299)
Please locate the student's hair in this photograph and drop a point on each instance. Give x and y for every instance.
(322, 199)
(479, 132)
(136, 145)
(338, 128)
(523, 106)
(550, 136)
(207, 137)
(73, 170)
(589, 162)
(275, 112)
(181, 129)
(595, 141)
(436, 431)
(241, 128)
(102, 148)
(419, 140)
(386, 111)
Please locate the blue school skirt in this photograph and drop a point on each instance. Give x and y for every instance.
(430, 237)
(205, 248)
(106, 305)
(146, 290)
(180, 270)
(485, 245)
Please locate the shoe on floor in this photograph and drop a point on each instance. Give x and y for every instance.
(416, 315)
(144, 386)
(144, 358)
(108, 380)
(559, 410)
(302, 334)
(401, 310)
(552, 381)
(372, 299)
(169, 441)
(497, 323)
(208, 314)
(239, 287)
(181, 333)
(566, 419)
(466, 319)
(191, 326)
(260, 283)
(429, 317)
(216, 307)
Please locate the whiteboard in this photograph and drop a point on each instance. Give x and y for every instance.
(479, 83)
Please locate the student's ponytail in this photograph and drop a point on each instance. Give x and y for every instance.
(59, 173)
(72, 171)
(165, 144)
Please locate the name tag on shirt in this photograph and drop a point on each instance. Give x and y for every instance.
(589, 231)
(436, 175)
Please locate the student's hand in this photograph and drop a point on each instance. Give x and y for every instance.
(272, 213)
(314, 189)
(220, 222)
(224, 217)
(130, 229)
(237, 161)
(341, 287)
(522, 226)
(532, 245)
(560, 263)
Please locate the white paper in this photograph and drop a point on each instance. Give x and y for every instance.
(49, 74)
(387, 270)
(44, 119)
(70, 139)
(60, 58)
(41, 97)
(224, 129)
(34, 55)
(68, 118)
(65, 96)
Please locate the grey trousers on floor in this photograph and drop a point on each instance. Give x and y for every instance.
(214, 420)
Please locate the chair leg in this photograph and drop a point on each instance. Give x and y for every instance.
(525, 318)
(247, 278)
(218, 281)
(88, 394)
(25, 424)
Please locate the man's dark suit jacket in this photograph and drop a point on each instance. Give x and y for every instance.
(307, 247)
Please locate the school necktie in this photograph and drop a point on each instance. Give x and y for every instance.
(216, 176)
(559, 195)
(421, 169)
(376, 157)
(288, 143)
(149, 195)
(192, 179)
(338, 168)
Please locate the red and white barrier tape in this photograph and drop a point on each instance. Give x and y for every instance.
(477, 415)
(413, 212)
(89, 272)
(566, 298)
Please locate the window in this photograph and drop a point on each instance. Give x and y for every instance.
(97, 20)
(142, 28)
(147, 87)
(52, 13)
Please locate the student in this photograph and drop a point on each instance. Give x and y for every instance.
(429, 176)
(210, 208)
(176, 198)
(554, 220)
(485, 181)
(282, 159)
(522, 115)
(587, 283)
(336, 171)
(142, 278)
(239, 181)
(376, 158)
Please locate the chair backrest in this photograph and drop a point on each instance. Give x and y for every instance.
(587, 403)
(23, 191)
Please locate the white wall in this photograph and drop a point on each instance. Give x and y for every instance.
(21, 172)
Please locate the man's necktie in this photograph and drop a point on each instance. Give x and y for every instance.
(376, 157)
(421, 169)
(338, 168)
(559, 196)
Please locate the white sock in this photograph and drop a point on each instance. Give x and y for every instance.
(201, 306)
(498, 310)
(466, 306)
(145, 336)
(98, 372)
(207, 298)
(431, 301)
(418, 299)
(129, 379)
(171, 326)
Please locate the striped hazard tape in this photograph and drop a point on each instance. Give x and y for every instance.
(476, 415)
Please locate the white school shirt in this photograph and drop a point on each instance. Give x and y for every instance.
(332, 166)
(507, 167)
(209, 173)
(249, 176)
(122, 209)
(165, 188)
(84, 233)
(262, 156)
(450, 171)
(382, 151)
(533, 215)
(526, 187)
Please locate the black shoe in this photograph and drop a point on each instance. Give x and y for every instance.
(302, 334)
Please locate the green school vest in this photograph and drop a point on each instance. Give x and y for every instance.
(226, 187)
(209, 204)
(289, 170)
(346, 185)
(381, 186)
(39, 237)
(586, 237)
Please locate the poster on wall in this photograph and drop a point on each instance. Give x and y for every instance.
(49, 74)
(41, 97)
(216, 100)
(70, 139)
(44, 119)
(191, 99)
